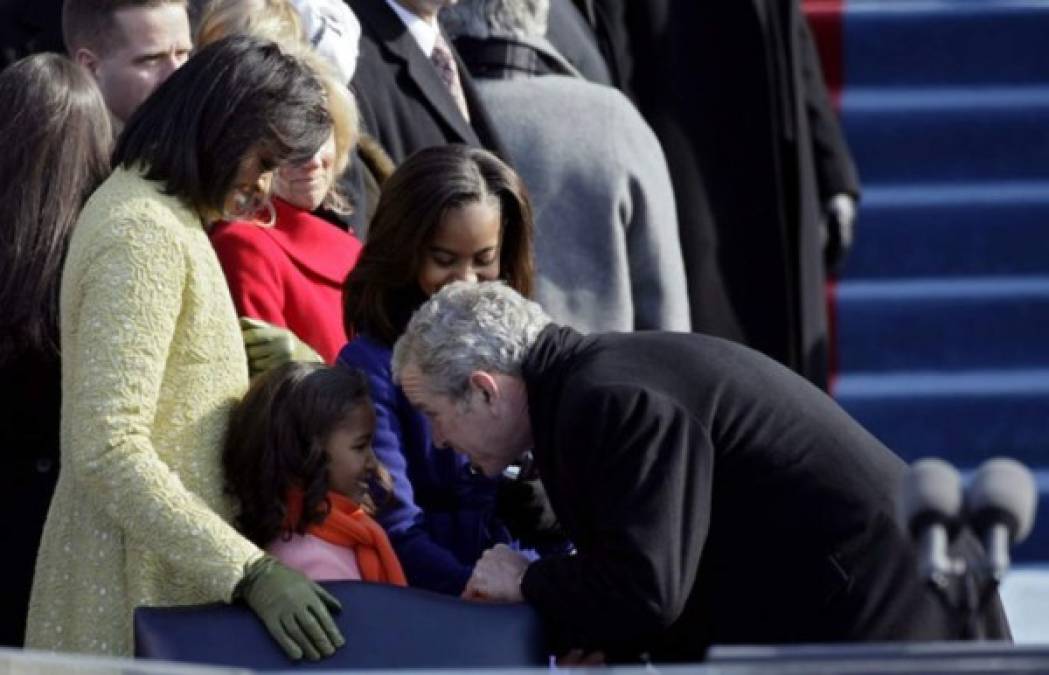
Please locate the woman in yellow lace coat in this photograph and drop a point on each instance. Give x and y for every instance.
(153, 361)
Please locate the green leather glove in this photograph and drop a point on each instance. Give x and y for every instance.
(294, 609)
(269, 346)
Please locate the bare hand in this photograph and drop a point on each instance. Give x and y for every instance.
(577, 658)
(497, 576)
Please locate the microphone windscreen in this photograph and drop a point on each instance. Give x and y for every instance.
(1003, 490)
(931, 492)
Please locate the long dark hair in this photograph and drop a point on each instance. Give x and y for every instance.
(276, 441)
(237, 95)
(55, 138)
(382, 291)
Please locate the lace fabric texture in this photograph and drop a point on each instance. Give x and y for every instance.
(152, 364)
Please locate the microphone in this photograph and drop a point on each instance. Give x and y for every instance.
(930, 509)
(1000, 503)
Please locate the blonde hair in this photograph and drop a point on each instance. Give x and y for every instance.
(279, 21)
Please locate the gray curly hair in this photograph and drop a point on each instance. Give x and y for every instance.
(466, 327)
(483, 19)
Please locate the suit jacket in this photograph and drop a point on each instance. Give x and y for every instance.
(402, 101)
(290, 274)
(715, 497)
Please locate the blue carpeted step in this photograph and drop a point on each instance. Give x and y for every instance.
(952, 230)
(944, 324)
(945, 42)
(964, 417)
(949, 135)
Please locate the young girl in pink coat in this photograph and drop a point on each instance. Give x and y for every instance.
(299, 460)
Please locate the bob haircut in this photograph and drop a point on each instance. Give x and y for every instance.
(56, 136)
(382, 291)
(278, 20)
(276, 441)
(236, 96)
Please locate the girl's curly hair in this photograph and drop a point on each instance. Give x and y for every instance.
(276, 441)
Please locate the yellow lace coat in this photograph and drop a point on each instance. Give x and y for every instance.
(152, 362)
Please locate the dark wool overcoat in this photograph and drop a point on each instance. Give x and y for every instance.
(733, 90)
(715, 497)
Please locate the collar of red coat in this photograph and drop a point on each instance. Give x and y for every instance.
(313, 242)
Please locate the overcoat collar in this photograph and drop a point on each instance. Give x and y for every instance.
(506, 57)
(545, 370)
(396, 41)
(313, 243)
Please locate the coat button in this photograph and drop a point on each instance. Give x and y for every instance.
(43, 465)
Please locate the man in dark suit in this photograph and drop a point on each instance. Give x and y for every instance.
(713, 495)
(762, 175)
(404, 102)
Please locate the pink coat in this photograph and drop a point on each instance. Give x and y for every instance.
(316, 558)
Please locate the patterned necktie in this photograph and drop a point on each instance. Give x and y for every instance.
(442, 60)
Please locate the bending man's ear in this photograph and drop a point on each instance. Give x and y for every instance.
(485, 384)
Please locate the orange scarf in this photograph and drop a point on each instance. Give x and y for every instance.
(348, 525)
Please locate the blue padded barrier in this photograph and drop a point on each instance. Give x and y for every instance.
(386, 627)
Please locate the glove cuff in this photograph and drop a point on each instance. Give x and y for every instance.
(252, 571)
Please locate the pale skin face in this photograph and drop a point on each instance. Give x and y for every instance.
(147, 45)
(351, 462)
(306, 184)
(492, 429)
(465, 246)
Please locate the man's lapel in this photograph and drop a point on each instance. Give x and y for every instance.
(396, 39)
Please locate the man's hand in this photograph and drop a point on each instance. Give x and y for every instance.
(269, 346)
(497, 576)
(839, 223)
(577, 658)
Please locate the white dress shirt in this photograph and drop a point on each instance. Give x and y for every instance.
(425, 33)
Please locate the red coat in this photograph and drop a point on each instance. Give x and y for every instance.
(290, 274)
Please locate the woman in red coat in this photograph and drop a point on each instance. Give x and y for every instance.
(289, 272)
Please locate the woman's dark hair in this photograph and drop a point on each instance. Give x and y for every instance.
(237, 95)
(382, 291)
(56, 138)
(276, 440)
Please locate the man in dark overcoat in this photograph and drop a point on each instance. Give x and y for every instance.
(713, 495)
(734, 91)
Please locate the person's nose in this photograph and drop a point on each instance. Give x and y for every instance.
(439, 439)
(466, 273)
(312, 164)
